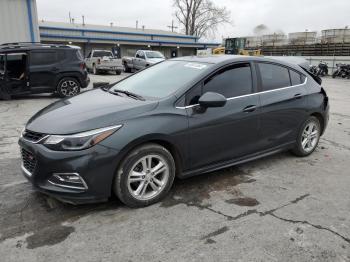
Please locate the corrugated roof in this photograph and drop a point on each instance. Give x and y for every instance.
(109, 28)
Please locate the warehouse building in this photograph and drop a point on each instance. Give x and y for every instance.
(124, 41)
(18, 21)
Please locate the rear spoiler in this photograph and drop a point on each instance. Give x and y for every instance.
(315, 77)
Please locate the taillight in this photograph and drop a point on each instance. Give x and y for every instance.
(82, 65)
(99, 61)
(325, 97)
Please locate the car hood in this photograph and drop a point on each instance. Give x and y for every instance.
(155, 60)
(87, 111)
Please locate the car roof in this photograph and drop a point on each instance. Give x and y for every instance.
(225, 59)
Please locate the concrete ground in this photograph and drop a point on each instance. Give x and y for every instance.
(280, 208)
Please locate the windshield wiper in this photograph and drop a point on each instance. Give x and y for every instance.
(128, 93)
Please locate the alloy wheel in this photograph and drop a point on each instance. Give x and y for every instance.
(310, 136)
(148, 177)
(69, 88)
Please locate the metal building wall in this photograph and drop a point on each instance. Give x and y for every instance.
(18, 21)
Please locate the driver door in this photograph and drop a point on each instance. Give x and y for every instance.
(140, 60)
(221, 134)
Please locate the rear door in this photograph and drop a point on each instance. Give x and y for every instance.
(43, 67)
(228, 132)
(283, 102)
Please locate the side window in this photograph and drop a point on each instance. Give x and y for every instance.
(61, 55)
(295, 78)
(142, 55)
(273, 76)
(89, 55)
(232, 81)
(137, 54)
(43, 58)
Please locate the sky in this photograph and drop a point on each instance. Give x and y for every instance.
(277, 15)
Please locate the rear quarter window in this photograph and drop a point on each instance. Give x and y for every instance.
(295, 78)
(273, 76)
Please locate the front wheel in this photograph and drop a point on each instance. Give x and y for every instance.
(308, 138)
(335, 74)
(145, 176)
(118, 72)
(95, 71)
(68, 87)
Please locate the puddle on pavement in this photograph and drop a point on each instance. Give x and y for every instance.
(243, 201)
(192, 191)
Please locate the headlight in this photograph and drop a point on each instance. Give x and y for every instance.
(79, 141)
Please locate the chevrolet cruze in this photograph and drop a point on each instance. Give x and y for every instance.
(179, 118)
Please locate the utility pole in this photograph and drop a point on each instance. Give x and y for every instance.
(172, 26)
(137, 24)
(70, 18)
(83, 20)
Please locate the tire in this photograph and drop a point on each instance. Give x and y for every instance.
(68, 87)
(126, 68)
(335, 73)
(310, 126)
(141, 192)
(95, 71)
(118, 72)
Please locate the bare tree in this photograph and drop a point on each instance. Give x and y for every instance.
(200, 17)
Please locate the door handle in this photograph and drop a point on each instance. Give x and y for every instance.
(249, 109)
(298, 96)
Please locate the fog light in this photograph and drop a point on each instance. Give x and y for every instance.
(68, 180)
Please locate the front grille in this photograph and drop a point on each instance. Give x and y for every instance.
(29, 160)
(32, 136)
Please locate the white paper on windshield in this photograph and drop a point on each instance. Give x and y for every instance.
(195, 66)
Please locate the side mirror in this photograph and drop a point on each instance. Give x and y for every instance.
(211, 99)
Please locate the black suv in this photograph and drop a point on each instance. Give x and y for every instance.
(32, 68)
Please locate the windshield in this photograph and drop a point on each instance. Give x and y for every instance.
(154, 54)
(102, 54)
(163, 79)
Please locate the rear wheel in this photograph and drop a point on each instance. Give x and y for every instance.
(335, 73)
(126, 68)
(118, 72)
(145, 176)
(308, 138)
(68, 87)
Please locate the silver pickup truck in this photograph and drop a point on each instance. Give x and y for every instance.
(142, 59)
(102, 61)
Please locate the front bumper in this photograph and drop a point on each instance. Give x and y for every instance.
(96, 166)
